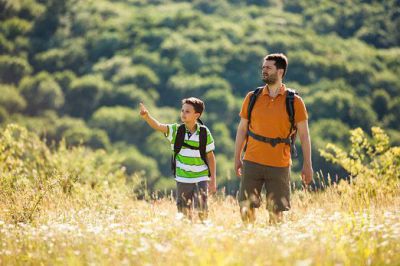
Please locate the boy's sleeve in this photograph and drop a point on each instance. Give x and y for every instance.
(171, 132)
(210, 142)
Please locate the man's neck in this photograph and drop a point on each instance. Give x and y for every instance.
(191, 126)
(273, 89)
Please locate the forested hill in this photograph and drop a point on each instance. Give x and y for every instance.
(78, 69)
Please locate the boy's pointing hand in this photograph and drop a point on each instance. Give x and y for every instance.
(143, 110)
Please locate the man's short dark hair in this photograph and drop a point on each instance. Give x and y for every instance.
(196, 103)
(281, 61)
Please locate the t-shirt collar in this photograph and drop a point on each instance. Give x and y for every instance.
(197, 128)
(282, 90)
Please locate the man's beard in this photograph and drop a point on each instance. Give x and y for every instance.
(270, 79)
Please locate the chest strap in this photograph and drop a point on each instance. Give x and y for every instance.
(272, 141)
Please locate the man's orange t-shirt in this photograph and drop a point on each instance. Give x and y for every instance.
(269, 118)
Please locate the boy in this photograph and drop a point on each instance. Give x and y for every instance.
(193, 161)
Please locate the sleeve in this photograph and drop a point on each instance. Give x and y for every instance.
(245, 105)
(171, 133)
(300, 110)
(210, 142)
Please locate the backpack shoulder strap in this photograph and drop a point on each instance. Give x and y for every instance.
(179, 139)
(290, 96)
(203, 145)
(252, 101)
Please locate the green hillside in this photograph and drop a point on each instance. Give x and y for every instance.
(78, 69)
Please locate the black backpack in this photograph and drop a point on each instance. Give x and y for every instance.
(291, 138)
(180, 141)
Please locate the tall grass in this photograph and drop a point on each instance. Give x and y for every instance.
(85, 214)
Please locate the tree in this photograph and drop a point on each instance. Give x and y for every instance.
(84, 96)
(215, 99)
(73, 56)
(94, 138)
(15, 27)
(141, 76)
(159, 148)
(121, 124)
(42, 93)
(130, 96)
(380, 102)
(243, 70)
(342, 105)
(322, 132)
(11, 100)
(110, 67)
(13, 69)
(184, 85)
(135, 162)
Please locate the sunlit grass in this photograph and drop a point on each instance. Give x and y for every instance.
(319, 230)
(77, 207)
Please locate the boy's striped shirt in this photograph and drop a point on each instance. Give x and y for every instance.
(190, 168)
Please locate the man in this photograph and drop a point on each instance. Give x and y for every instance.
(265, 142)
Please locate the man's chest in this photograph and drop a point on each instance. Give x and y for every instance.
(270, 112)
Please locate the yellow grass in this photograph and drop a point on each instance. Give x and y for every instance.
(321, 229)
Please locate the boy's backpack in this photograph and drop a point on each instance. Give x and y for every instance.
(291, 138)
(180, 141)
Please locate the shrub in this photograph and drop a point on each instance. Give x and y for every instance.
(373, 166)
(31, 172)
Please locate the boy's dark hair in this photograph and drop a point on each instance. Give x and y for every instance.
(196, 103)
(281, 61)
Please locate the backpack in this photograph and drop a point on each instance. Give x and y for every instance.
(291, 138)
(180, 141)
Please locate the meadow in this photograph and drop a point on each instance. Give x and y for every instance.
(74, 206)
(321, 229)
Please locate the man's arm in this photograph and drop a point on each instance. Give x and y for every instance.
(307, 171)
(241, 135)
(212, 164)
(144, 113)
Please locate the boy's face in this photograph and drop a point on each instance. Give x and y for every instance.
(188, 113)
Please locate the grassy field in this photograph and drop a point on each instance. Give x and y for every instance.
(77, 207)
(321, 229)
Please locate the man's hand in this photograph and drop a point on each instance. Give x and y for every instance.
(238, 167)
(307, 174)
(143, 110)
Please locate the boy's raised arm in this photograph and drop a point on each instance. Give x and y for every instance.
(144, 113)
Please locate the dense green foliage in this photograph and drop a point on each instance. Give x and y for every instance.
(78, 69)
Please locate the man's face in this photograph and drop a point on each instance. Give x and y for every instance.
(188, 113)
(269, 72)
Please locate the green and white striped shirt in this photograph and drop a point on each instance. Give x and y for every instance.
(190, 168)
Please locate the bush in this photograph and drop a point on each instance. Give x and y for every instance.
(25, 167)
(373, 166)
(30, 172)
